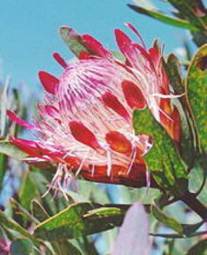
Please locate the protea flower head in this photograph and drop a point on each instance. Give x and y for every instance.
(150, 85)
(85, 124)
(85, 121)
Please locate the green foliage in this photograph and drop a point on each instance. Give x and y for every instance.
(10, 224)
(168, 221)
(190, 14)
(65, 247)
(189, 9)
(28, 191)
(186, 145)
(39, 211)
(78, 220)
(3, 167)
(169, 168)
(164, 18)
(21, 247)
(196, 83)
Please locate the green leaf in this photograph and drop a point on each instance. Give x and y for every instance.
(174, 72)
(38, 211)
(187, 139)
(72, 40)
(164, 18)
(188, 230)
(199, 248)
(189, 9)
(11, 150)
(166, 220)
(196, 179)
(21, 247)
(174, 236)
(103, 213)
(163, 160)
(195, 12)
(65, 247)
(19, 210)
(3, 163)
(12, 225)
(79, 219)
(197, 90)
(28, 191)
(200, 38)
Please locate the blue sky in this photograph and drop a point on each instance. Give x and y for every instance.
(29, 31)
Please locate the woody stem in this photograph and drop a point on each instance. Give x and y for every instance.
(191, 200)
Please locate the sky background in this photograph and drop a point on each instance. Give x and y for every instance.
(29, 32)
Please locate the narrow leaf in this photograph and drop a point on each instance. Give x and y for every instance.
(189, 10)
(12, 225)
(28, 191)
(164, 18)
(65, 248)
(79, 219)
(3, 167)
(166, 220)
(38, 211)
(196, 86)
(21, 247)
(186, 145)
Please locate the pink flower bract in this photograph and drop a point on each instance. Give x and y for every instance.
(85, 124)
(85, 120)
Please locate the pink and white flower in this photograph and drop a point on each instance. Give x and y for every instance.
(85, 121)
(85, 124)
(149, 78)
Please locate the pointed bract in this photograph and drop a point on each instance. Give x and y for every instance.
(49, 82)
(13, 117)
(60, 60)
(95, 46)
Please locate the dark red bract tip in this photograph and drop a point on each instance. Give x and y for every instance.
(28, 146)
(95, 46)
(133, 95)
(49, 82)
(112, 102)
(60, 59)
(118, 142)
(13, 117)
(82, 134)
(122, 39)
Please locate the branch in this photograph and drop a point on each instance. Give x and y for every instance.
(191, 200)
